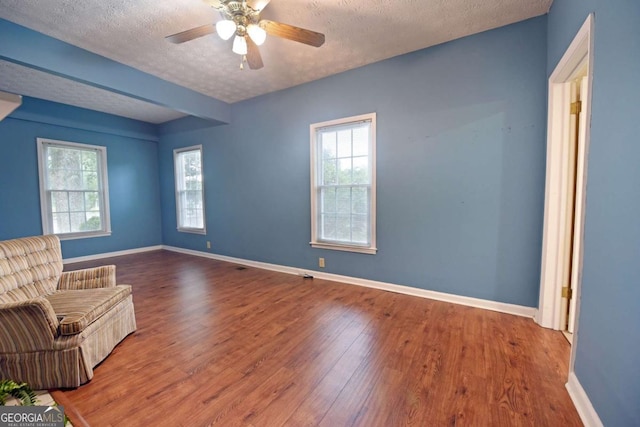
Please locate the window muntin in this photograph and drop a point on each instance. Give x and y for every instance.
(189, 190)
(343, 184)
(74, 195)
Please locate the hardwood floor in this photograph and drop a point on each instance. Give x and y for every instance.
(218, 345)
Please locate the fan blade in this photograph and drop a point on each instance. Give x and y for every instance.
(253, 55)
(290, 32)
(257, 5)
(213, 3)
(191, 34)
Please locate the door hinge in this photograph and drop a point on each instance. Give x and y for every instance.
(567, 292)
(576, 107)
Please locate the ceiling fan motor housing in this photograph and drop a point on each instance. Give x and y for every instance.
(241, 14)
(242, 19)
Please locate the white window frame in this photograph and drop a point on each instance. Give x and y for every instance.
(316, 242)
(45, 199)
(193, 230)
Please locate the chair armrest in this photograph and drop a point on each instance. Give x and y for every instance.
(89, 278)
(29, 325)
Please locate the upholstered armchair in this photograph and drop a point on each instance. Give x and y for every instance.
(56, 326)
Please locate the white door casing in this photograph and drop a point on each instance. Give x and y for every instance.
(553, 263)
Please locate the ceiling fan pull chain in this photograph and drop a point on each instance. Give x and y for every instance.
(242, 61)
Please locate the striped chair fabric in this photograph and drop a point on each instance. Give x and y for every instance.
(56, 326)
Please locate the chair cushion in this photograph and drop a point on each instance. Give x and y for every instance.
(78, 308)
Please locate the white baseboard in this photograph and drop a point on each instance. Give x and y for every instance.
(248, 263)
(583, 405)
(111, 254)
(501, 307)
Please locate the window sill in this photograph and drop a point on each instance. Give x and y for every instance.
(345, 248)
(73, 236)
(192, 230)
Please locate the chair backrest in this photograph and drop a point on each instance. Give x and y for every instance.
(29, 267)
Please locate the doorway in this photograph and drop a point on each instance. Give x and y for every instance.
(569, 113)
(578, 90)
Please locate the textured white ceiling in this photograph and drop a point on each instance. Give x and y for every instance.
(357, 33)
(38, 84)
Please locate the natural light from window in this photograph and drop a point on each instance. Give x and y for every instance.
(343, 184)
(73, 189)
(189, 190)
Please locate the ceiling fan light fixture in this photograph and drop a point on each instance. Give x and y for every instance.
(257, 34)
(239, 46)
(241, 18)
(225, 28)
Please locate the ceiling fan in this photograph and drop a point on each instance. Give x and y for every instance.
(242, 19)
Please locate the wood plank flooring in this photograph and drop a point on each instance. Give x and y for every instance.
(222, 346)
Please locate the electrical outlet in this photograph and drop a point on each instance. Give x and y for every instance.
(321, 262)
(208, 244)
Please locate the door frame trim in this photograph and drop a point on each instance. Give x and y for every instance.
(554, 230)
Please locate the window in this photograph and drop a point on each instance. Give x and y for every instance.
(189, 189)
(343, 184)
(74, 195)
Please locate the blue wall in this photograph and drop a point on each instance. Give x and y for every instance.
(132, 157)
(461, 163)
(460, 168)
(608, 338)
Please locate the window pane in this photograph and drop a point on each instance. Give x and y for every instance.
(360, 170)
(73, 159)
(343, 228)
(329, 175)
(77, 220)
(360, 200)
(92, 222)
(344, 171)
(183, 220)
(344, 143)
(184, 217)
(73, 180)
(198, 219)
(92, 201)
(90, 181)
(54, 157)
(193, 183)
(60, 223)
(192, 172)
(57, 179)
(360, 224)
(328, 227)
(64, 158)
(190, 169)
(329, 145)
(76, 201)
(328, 200)
(361, 141)
(191, 217)
(192, 199)
(90, 161)
(343, 200)
(59, 201)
